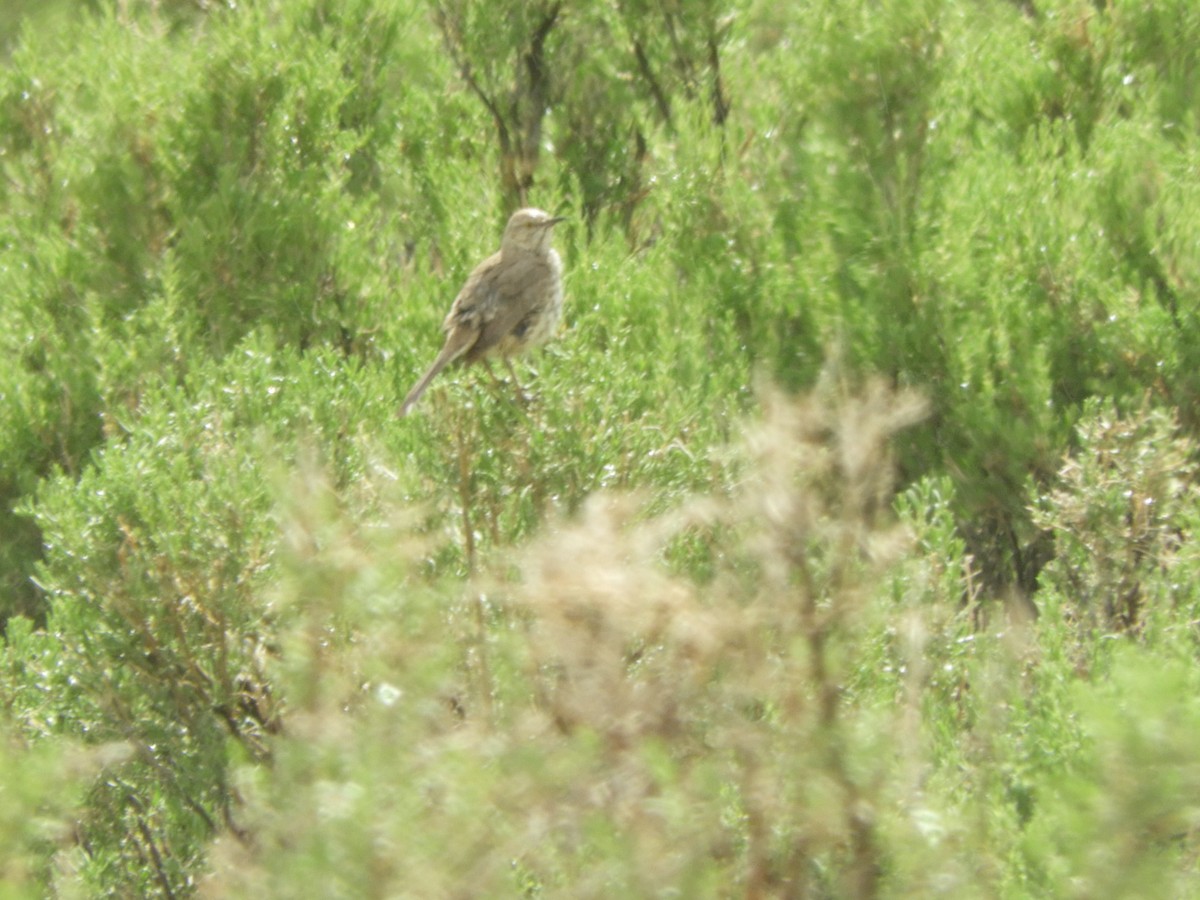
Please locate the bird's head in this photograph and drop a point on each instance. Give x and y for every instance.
(529, 229)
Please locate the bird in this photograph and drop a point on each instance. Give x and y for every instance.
(511, 302)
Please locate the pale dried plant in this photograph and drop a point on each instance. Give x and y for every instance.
(617, 642)
(618, 727)
(751, 667)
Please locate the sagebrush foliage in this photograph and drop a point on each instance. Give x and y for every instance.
(233, 583)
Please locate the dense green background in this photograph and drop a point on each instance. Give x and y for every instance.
(843, 547)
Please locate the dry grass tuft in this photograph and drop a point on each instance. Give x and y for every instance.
(621, 728)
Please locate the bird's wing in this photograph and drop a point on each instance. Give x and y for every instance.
(470, 310)
(519, 289)
(477, 300)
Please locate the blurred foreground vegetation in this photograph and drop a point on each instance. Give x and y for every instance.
(843, 547)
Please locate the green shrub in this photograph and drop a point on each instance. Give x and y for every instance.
(160, 203)
(1122, 514)
(1122, 819)
(157, 568)
(228, 233)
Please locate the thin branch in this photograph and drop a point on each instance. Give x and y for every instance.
(656, 90)
(721, 104)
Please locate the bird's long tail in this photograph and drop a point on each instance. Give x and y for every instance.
(456, 345)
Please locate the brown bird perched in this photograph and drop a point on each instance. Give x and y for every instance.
(510, 303)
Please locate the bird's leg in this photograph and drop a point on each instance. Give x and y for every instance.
(513, 375)
(523, 396)
(496, 382)
(499, 388)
